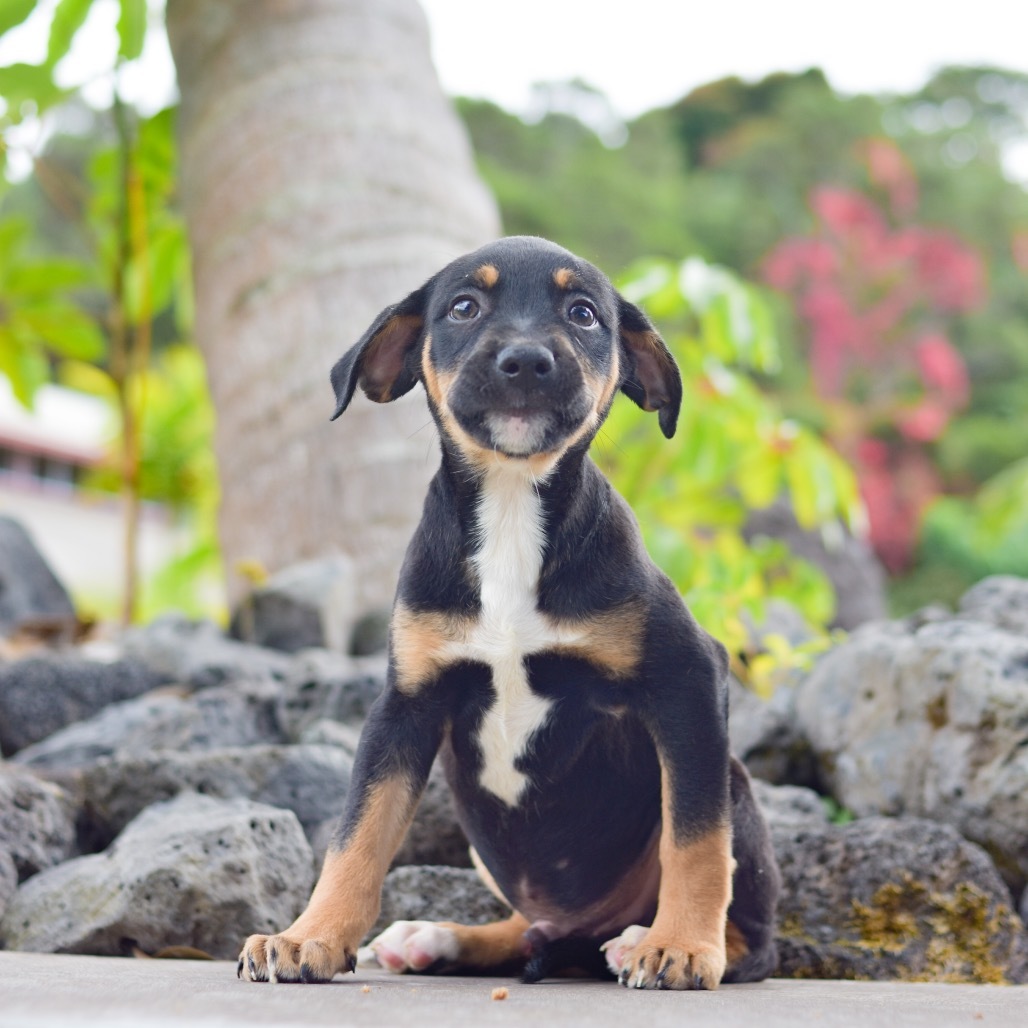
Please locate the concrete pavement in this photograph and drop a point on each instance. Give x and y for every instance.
(45, 991)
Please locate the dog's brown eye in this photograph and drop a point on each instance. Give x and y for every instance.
(582, 315)
(464, 309)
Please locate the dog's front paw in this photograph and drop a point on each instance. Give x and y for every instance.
(644, 960)
(415, 946)
(291, 958)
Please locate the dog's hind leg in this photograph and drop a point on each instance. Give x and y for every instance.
(429, 947)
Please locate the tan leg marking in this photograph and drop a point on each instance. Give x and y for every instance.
(486, 276)
(685, 947)
(323, 940)
(491, 945)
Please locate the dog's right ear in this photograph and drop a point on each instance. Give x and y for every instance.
(380, 362)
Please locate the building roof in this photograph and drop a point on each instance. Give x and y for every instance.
(62, 424)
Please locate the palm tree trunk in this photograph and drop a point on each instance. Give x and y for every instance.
(324, 175)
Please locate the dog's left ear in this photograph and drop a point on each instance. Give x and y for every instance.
(379, 362)
(652, 380)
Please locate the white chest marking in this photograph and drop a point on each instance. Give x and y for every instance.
(508, 561)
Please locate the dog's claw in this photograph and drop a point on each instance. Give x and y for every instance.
(239, 968)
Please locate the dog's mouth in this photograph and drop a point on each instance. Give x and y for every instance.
(519, 433)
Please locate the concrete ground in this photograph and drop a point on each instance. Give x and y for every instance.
(40, 991)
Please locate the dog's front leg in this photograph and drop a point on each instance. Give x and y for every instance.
(685, 947)
(397, 747)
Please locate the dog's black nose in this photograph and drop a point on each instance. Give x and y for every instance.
(525, 363)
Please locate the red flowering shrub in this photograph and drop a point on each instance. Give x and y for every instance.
(873, 292)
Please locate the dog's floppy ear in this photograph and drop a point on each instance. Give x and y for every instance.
(652, 379)
(379, 361)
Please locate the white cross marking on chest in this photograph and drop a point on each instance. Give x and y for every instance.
(509, 560)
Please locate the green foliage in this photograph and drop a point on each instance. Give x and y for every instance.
(733, 452)
(39, 318)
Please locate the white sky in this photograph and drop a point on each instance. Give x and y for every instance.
(641, 53)
(646, 53)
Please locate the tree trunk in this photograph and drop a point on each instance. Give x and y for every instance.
(324, 176)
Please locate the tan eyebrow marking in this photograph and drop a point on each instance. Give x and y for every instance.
(486, 276)
(565, 278)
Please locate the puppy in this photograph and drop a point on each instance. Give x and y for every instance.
(580, 711)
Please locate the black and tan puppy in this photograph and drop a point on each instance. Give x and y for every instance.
(580, 710)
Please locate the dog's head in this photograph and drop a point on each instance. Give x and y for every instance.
(521, 347)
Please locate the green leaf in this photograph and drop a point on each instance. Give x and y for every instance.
(68, 19)
(21, 83)
(14, 12)
(42, 277)
(131, 29)
(65, 329)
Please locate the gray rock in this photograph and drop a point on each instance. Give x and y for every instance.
(306, 605)
(788, 807)
(765, 736)
(242, 714)
(325, 732)
(1023, 908)
(29, 590)
(321, 684)
(888, 899)
(42, 694)
(930, 721)
(8, 880)
(1001, 600)
(194, 871)
(197, 654)
(371, 633)
(437, 894)
(311, 781)
(849, 563)
(435, 836)
(37, 821)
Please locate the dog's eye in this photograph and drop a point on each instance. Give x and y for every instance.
(582, 315)
(464, 309)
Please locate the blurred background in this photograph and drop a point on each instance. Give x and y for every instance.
(203, 206)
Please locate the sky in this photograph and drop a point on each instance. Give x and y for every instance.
(640, 53)
(651, 52)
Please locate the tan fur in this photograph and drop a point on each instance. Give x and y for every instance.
(486, 276)
(384, 357)
(565, 278)
(418, 642)
(611, 641)
(686, 944)
(735, 944)
(347, 898)
(491, 945)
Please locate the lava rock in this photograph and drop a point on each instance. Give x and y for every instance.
(885, 899)
(41, 695)
(37, 822)
(1001, 600)
(311, 781)
(194, 871)
(435, 836)
(437, 894)
(28, 587)
(236, 715)
(305, 605)
(198, 655)
(928, 719)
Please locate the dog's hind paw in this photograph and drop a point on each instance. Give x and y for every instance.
(616, 950)
(415, 946)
